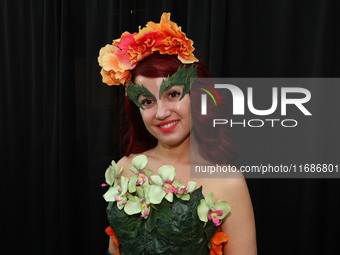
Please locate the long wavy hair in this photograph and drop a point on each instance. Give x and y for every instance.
(215, 147)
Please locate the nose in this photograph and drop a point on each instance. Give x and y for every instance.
(163, 110)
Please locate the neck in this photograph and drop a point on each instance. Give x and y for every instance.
(175, 153)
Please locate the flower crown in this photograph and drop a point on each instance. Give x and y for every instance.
(119, 58)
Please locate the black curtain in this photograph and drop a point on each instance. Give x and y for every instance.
(60, 125)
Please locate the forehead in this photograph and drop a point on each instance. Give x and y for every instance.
(149, 82)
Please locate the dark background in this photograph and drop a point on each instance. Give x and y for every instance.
(60, 125)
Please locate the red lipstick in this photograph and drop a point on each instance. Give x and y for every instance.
(167, 126)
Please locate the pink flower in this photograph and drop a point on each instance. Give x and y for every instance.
(168, 187)
(145, 209)
(214, 216)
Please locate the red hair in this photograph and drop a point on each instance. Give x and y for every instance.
(137, 138)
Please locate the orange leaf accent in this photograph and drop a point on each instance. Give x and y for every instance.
(216, 242)
(109, 231)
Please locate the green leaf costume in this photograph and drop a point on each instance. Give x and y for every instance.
(171, 228)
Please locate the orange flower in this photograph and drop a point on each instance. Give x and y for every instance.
(175, 41)
(217, 241)
(125, 53)
(112, 73)
(126, 44)
(109, 231)
(134, 47)
(107, 58)
(115, 78)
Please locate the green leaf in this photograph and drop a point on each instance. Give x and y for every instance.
(139, 162)
(130, 226)
(210, 229)
(140, 191)
(109, 205)
(167, 222)
(124, 224)
(131, 197)
(134, 91)
(179, 237)
(148, 171)
(177, 184)
(157, 244)
(146, 190)
(192, 186)
(124, 184)
(210, 199)
(223, 206)
(203, 210)
(156, 179)
(167, 172)
(169, 197)
(185, 197)
(109, 176)
(132, 183)
(195, 199)
(180, 78)
(111, 172)
(111, 193)
(133, 207)
(164, 211)
(133, 169)
(151, 222)
(156, 194)
(120, 205)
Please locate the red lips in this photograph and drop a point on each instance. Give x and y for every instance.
(167, 126)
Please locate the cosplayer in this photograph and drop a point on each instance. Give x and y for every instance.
(154, 206)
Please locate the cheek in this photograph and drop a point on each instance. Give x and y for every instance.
(184, 106)
(146, 116)
(142, 114)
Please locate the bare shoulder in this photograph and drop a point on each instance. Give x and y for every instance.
(126, 163)
(225, 188)
(232, 188)
(240, 223)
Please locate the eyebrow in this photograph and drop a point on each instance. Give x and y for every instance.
(135, 90)
(145, 94)
(180, 78)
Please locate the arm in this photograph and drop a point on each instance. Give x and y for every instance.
(113, 240)
(240, 224)
(112, 248)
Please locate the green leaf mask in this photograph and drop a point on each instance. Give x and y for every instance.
(134, 91)
(180, 78)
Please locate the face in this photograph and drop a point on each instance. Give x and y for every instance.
(165, 116)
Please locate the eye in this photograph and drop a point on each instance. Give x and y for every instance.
(146, 102)
(174, 94)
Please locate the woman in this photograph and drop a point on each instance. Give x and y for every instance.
(156, 67)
